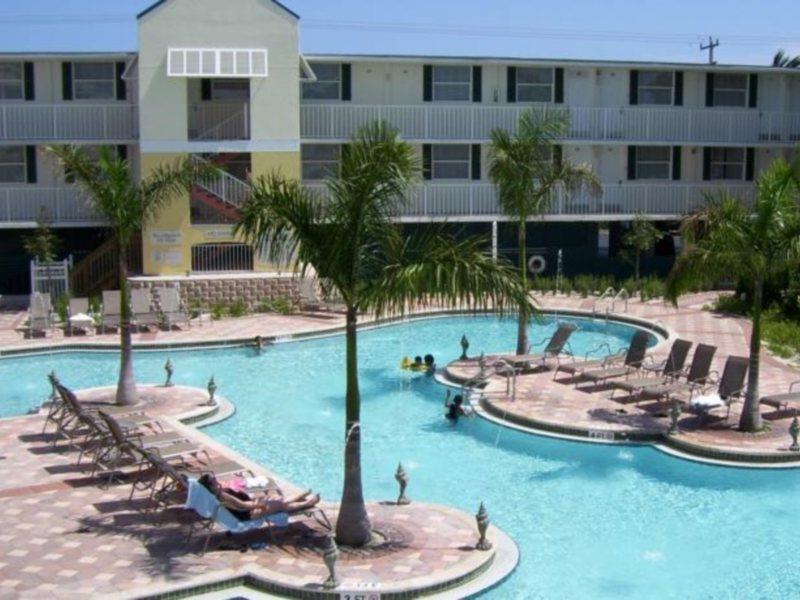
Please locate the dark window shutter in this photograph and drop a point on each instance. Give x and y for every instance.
(678, 88)
(427, 160)
(511, 84)
(558, 95)
(752, 98)
(30, 94)
(476, 161)
(676, 162)
(122, 89)
(750, 164)
(205, 89)
(558, 156)
(706, 164)
(427, 83)
(709, 89)
(631, 163)
(122, 152)
(633, 98)
(347, 82)
(30, 164)
(477, 84)
(66, 81)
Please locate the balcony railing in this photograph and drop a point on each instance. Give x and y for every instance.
(69, 122)
(631, 124)
(62, 206)
(219, 121)
(479, 200)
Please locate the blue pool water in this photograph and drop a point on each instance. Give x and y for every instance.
(591, 521)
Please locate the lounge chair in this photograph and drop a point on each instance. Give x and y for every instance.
(696, 377)
(669, 369)
(111, 316)
(142, 311)
(729, 388)
(40, 313)
(632, 361)
(79, 315)
(554, 347)
(308, 296)
(172, 309)
(782, 401)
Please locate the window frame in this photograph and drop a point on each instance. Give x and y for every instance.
(434, 84)
(23, 164)
(467, 162)
(745, 91)
(238, 81)
(725, 163)
(639, 161)
(551, 85)
(640, 88)
(76, 80)
(306, 84)
(21, 80)
(316, 162)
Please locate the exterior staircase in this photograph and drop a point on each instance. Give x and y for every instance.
(99, 270)
(222, 192)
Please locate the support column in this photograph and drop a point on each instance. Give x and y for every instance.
(494, 241)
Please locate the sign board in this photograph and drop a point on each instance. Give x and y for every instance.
(166, 237)
(172, 258)
(220, 233)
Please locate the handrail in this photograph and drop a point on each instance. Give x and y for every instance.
(623, 295)
(223, 185)
(239, 113)
(608, 293)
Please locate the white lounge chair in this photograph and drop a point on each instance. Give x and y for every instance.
(79, 315)
(40, 313)
(111, 315)
(308, 296)
(172, 309)
(142, 311)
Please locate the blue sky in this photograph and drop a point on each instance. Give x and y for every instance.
(600, 29)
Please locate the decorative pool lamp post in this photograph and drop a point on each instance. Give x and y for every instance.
(482, 518)
(212, 389)
(464, 347)
(794, 431)
(674, 415)
(330, 555)
(402, 480)
(169, 370)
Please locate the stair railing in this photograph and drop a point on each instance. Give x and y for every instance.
(223, 185)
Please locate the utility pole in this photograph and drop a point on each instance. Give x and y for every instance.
(710, 47)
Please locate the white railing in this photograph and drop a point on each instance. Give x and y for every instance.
(474, 200)
(69, 121)
(221, 258)
(219, 121)
(61, 206)
(51, 277)
(224, 185)
(638, 124)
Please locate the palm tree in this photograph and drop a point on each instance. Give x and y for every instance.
(641, 238)
(782, 59)
(351, 240)
(527, 174)
(729, 239)
(128, 205)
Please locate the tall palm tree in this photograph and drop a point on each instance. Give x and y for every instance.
(528, 173)
(729, 239)
(782, 59)
(111, 188)
(351, 240)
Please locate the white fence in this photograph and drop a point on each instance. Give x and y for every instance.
(221, 258)
(61, 205)
(50, 277)
(74, 121)
(475, 200)
(219, 121)
(637, 124)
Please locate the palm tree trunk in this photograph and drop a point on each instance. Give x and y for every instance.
(126, 386)
(352, 526)
(522, 326)
(750, 420)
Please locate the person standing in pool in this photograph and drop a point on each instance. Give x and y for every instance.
(455, 409)
(430, 364)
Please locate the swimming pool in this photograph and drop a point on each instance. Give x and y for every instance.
(590, 520)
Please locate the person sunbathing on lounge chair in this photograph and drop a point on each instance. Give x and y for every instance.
(245, 507)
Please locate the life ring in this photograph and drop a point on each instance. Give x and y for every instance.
(537, 264)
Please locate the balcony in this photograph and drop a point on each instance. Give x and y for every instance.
(69, 122)
(619, 202)
(63, 206)
(473, 123)
(218, 121)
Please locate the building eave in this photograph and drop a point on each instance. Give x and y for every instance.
(160, 3)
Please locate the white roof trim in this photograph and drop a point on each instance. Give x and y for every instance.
(308, 72)
(217, 62)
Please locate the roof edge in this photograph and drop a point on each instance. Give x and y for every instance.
(154, 6)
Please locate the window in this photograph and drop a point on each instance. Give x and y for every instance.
(653, 162)
(452, 84)
(12, 81)
(727, 163)
(730, 90)
(655, 87)
(534, 84)
(12, 164)
(328, 84)
(320, 161)
(93, 81)
(450, 161)
(230, 89)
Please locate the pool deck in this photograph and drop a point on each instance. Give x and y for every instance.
(64, 534)
(558, 407)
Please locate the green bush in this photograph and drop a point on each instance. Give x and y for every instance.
(218, 310)
(265, 306)
(566, 286)
(283, 305)
(780, 334)
(238, 308)
(584, 285)
(731, 303)
(61, 307)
